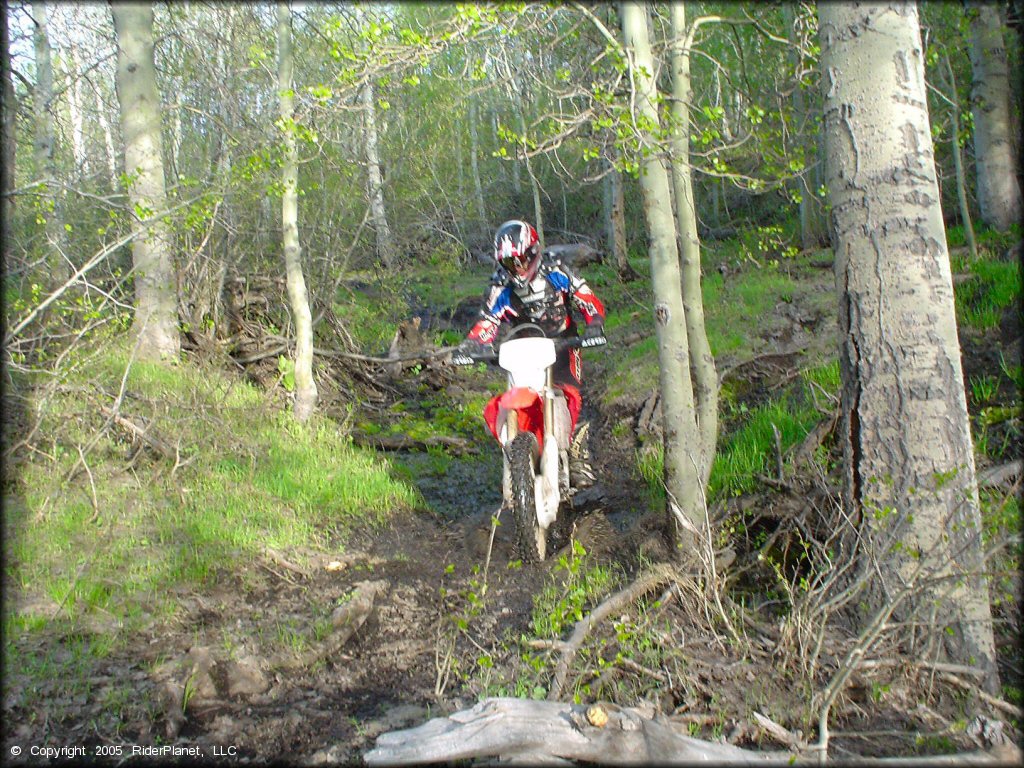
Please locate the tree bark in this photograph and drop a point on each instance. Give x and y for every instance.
(9, 114)
(615, 223)
(958, 162)
(474, 164)
(108, 138)
(998, 187)
(385, 243)
(45, 140)
(156, 298)
(76, 108)
(909, 476)
(702, 362)
(812, 224)
(538, 214)
(305, 387)
(679, 419)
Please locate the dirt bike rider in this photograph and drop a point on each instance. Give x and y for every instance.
(531, 287)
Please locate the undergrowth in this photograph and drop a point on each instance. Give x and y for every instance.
(96, 522)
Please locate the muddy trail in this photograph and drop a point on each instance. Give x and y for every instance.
(309, 661)
(307, 658)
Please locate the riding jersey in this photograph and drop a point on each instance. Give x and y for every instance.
(547, 300)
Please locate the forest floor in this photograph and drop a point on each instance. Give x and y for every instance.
(422, 617)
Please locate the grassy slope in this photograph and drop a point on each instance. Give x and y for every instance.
(116, 537)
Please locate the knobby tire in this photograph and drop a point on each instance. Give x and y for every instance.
(521, 457)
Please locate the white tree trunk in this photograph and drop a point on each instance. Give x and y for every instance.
(812, 224)
(305, 386)
(679, 419)
(474, 163)
(958, 162)
(615, 221)
(156, 296)
(702, 362)
(45, 140)
(75, 109)
(375, 179)
(909, 464)
(998, 187)
(8, 113)
(108, 138)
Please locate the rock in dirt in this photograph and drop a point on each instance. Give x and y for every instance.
(245, 678)
(199, 677)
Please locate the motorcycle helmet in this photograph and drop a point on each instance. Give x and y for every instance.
(517, 250)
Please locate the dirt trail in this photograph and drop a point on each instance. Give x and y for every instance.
(260, 670)
(308, 660)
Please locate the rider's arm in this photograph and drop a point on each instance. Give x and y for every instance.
(583, 299)
(497, 309)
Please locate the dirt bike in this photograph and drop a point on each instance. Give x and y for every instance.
(533, 420)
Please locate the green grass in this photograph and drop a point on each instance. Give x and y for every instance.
(982, 300)
(748, 449)
(249, 477)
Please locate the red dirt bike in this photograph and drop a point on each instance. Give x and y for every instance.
(533, 420)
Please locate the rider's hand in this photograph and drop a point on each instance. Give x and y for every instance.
(467, 349)
(593, 335)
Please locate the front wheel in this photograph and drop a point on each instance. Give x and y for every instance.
(530, 537)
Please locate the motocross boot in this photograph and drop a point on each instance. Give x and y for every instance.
(581, 472)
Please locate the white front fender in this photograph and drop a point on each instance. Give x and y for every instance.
(546, 484)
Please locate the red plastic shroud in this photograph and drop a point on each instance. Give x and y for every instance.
(529, 408)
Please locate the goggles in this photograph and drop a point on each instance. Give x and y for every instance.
(513, 264)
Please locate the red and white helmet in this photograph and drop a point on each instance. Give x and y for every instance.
(517, 250)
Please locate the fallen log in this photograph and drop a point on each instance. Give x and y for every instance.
(527, 731)
(345, 621)
(140, 434)
(1004, 474)
(455, 445)
(522, 731)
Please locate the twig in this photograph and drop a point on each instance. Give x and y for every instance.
(1004, 706)
(92, 488)
(490, 545)
(661, 575)
(781, 734)
(280, 560)
(641, 669)
(835, 686)
(778, 453)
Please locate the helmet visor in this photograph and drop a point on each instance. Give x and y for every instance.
(513, 263)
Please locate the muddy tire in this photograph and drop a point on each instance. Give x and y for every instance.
(530, 539)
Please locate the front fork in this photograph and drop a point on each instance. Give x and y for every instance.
(552, 475)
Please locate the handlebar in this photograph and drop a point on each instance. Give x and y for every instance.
(489, 354)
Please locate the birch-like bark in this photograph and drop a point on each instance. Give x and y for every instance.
(108, 138)
(702, 362)
(538, 214)
(9, 114)
(375, 180)
(909, 479)
(679, 420)
(156, 296)
(474, 164)
(615, 222)
(45, 147)
(75, 109)
(305, 386)
(812, 224)
(958, 161)
(999, 196)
